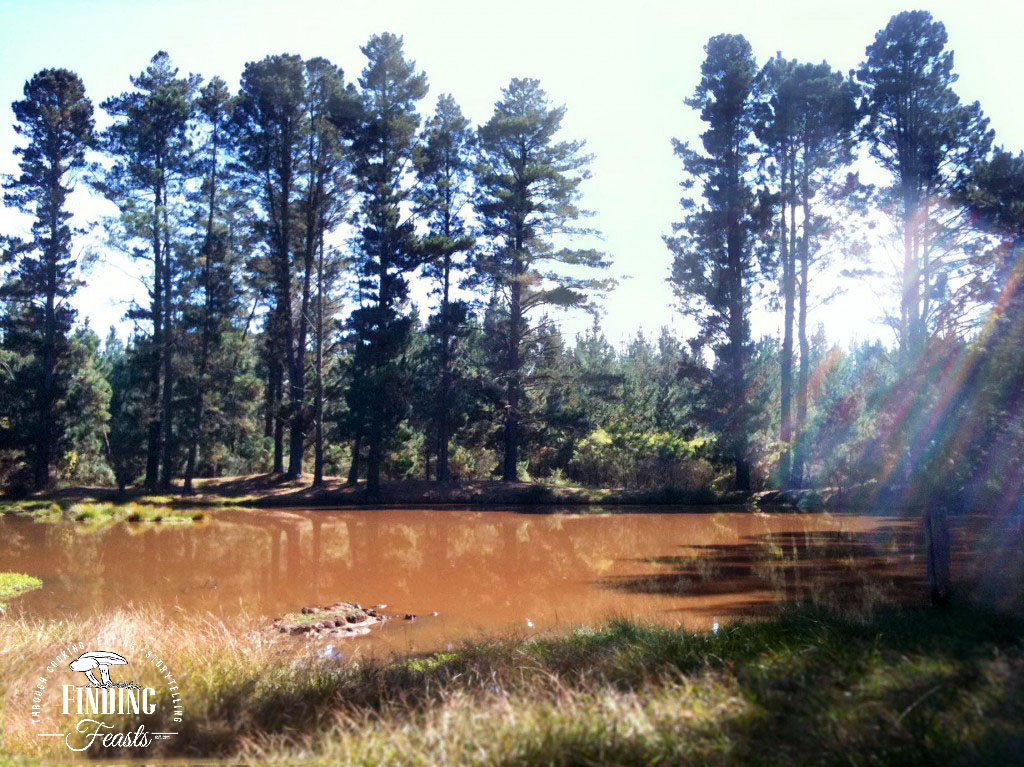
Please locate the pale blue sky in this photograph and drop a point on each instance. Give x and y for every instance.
(623, 70)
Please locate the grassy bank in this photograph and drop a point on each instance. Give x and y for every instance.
(86, 508)
(14, 585)
(273, 491)
(808, 687)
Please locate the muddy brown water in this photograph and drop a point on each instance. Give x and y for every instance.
(483, 572)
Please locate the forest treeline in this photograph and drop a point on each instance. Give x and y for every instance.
(281, 225)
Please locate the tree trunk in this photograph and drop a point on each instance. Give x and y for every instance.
(44, 444)
(283, 305)
(376, 426)
(374, 458)
(804, 375)
(936, 529)
(190, 463)
(910, 296)
(788, 298)
(167, 398)
(154, 431)
(318, 447)
(207, 332)
(737, 339)
(743, 475)
(510, 468)
(353, 468)
(275, 423)
(198, 411)
(297, 387)
(444, 404)
(44, 440)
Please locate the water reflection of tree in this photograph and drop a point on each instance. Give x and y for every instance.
(511, 564)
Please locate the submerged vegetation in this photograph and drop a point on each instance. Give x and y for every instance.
(908, 686)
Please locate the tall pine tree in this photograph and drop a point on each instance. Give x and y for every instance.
(383, 132)
(714, 260)
(151, 155)
(55, 118)
(527, 199)
(443, 166)
(920, 132)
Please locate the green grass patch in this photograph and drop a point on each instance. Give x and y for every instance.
(41, 510)
(14, 585)
(100, 512)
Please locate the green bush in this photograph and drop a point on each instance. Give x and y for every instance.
(621, 458)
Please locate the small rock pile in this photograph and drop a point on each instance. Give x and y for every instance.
(341, 619)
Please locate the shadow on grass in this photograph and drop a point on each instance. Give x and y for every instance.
(906, 686)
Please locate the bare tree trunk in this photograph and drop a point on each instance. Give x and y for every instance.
(910, 296)
(375, 454)
(353, 468)
(936, 529)
(444, 422)
(737, 337)
(788, 298)
(45, 437)
(154, 431)
(318, 447)
(199, 405)
(275, 422)
(204, 346)
(297, 385)
(804, 376)
(283, 309)
(510, 468)
(167, 399)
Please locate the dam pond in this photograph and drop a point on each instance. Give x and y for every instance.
(482, 572)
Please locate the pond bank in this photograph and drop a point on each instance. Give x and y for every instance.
(908, 686)
(276, 491)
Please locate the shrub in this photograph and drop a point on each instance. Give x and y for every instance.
(640, 459)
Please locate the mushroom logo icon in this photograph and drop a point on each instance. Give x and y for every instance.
(102, 660)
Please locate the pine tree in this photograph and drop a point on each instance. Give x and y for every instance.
(270, 133)
(443, 166)
(527, 195)
(807, 121)
(56, 120)
(214, 271)
(382, 135)
(777, 129)
(920, 132)
(149, 145)
(715, 263)
(323, 206)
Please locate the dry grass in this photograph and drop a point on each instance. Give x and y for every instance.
(898, 686)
